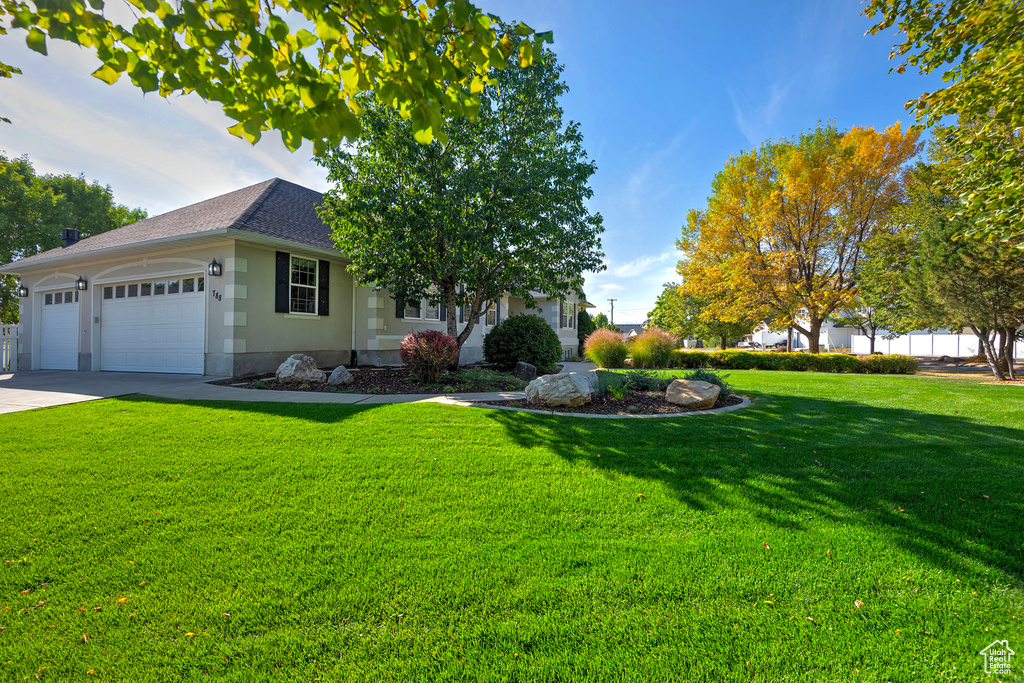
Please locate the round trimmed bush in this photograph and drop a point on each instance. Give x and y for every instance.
(606, 348)
(525, 338)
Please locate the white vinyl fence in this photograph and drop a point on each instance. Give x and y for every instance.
(8, 348)
(954, 345)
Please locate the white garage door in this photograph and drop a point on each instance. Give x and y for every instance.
(58, 334)
(154, 325)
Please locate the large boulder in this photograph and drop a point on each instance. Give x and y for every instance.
(340, 375)
(692, 394)
(569, 389)
(299, 368)
(524, 370)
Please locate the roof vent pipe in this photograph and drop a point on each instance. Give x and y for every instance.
(70, 236)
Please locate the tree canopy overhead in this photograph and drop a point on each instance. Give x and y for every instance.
(35, 208)
(783, 231)
(979, 46)
(500, 208)
(296, 66)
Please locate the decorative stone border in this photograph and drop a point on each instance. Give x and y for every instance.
(727, 409)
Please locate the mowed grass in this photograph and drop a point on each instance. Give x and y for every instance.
(149, 540)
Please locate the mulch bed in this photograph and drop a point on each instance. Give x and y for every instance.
(636, 403)
(390, 380)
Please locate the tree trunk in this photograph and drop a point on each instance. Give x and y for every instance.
(724, 340)
(985, 338)
(813, 334)
(872, 338)
(452, 312)
(1008, 337)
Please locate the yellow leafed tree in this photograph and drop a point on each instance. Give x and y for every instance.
(783, 230)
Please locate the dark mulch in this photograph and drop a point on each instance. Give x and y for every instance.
(641, 403)
(391, 380)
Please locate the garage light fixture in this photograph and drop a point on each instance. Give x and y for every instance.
(214, 268)
(22, 291)
(81, 285)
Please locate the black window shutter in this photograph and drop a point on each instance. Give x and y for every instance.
(444, 312)
(323, 287)
(281, 282)
(399, 308)
(497, 311)
(561, 313)
(462, 313)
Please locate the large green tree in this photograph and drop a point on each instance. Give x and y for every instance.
(295, 66)
(500, 208)
(977, 44)
(35, 208)
(601, 322)
(965, 283)
(684, 315)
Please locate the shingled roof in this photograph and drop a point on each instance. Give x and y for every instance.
(274, 208)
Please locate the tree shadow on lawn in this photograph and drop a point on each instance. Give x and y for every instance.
(943, 487)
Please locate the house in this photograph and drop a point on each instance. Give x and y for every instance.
(631, 330)
(228, 286)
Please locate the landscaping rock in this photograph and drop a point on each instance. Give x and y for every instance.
(692, 394)
(524, 370)
(628, 363)
(569, 389)
(299, 368)
(340, 375)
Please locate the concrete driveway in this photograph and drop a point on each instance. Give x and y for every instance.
(41, 388)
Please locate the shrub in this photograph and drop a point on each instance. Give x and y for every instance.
(525, 338)
(605, 348)
(711, 377)
(888, 364)
(428, 354)
(653, 348)
(642, 380)
(822, 362)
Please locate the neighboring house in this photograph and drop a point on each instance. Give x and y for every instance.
(630, 330)
(228, 286)
(832, 336)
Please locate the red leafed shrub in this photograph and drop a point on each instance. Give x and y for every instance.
(428, 354)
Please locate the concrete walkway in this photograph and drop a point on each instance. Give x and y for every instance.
(43, 388)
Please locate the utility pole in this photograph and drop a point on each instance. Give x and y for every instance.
(612, 302)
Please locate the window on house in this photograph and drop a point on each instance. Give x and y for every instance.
(412, 309)
(172, 286)
(302, 295)
(158, 288)
(188, 285)
(147, 289)
(492, 314)
(119, 291)
(431, 311)
(568, 315)
(133, 291)
(49, 300)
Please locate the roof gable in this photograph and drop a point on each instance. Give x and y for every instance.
(274, 208)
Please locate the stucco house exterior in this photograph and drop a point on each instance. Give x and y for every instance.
(227, 286)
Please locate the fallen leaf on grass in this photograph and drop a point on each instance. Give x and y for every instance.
(85, 638)
(189, 634)
(767, 547)
(122, 600)
(858, 604)
(26, 591)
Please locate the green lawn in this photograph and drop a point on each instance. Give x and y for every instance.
(429, 542)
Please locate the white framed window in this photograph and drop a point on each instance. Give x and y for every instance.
(302, 292)
(431, 312)
(491, 318)
(568, 315)
(413, 310)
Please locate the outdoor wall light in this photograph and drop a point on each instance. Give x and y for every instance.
(80, 284)
(22, 291)
(214, 268)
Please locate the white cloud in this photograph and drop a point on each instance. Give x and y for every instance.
(642, 265)
(756, 123)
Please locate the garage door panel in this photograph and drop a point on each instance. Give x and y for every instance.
(156, 333)
(58, 344)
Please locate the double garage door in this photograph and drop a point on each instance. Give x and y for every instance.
(145, 326)
(154, 325)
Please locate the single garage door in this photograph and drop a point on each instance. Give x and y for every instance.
(58, 334)
(154, 325)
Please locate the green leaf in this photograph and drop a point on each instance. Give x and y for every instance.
(36, 40)
(106, 74)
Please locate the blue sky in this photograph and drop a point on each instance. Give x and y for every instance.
(665, 92)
